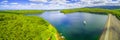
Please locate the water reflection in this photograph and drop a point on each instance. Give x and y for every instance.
(72, 25)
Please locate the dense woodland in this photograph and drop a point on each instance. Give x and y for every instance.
(115, 12)
(22, 11)
(20, 27)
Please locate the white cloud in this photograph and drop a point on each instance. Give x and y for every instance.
(38, 0)
(33, 4)
(4, 2)
(4, 5)
(14, 3)
(54, 4)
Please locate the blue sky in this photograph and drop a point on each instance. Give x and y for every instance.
(45, 4)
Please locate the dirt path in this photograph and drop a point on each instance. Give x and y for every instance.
(107, 28)
(112, 29)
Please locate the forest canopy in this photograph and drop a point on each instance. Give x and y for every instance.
(20, 27)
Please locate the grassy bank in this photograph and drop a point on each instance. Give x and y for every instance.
(22, 11)
(93, 10)
(20, 27)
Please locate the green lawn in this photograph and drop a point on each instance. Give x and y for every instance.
(20, 27)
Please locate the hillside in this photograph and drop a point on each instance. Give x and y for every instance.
(115, 12)
(22, 11)
(20, 27)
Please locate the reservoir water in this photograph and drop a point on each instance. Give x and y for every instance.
(78, 25)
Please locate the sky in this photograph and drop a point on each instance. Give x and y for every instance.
(51, 4)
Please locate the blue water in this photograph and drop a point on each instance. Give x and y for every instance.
(71, 26)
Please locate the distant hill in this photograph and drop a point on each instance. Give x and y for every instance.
(106, 7)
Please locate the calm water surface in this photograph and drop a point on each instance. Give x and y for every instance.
(72, 26)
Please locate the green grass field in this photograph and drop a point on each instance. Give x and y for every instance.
(20, 27)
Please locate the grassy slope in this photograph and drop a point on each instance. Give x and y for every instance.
(22, 11)
(93, 10)
(19, 27)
